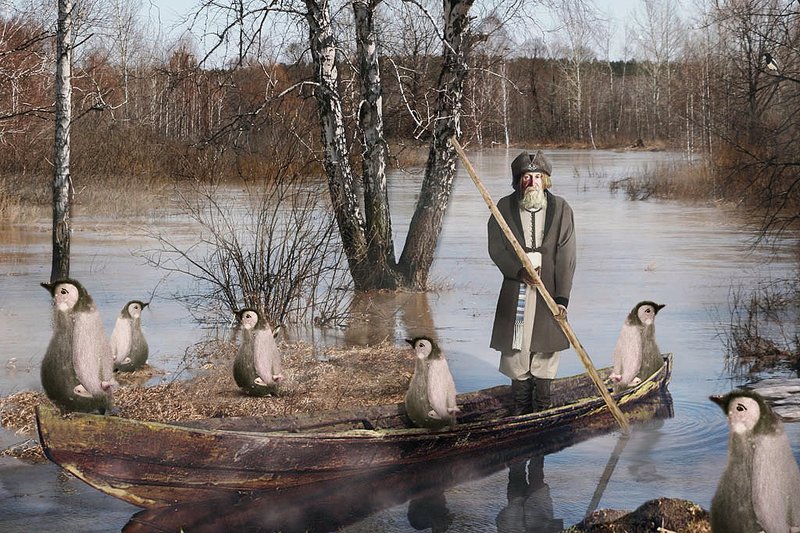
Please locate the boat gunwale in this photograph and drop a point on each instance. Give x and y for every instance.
(588, 403)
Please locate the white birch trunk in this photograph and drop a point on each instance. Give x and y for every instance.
(62, 182)
(370, 118)
(334, 139)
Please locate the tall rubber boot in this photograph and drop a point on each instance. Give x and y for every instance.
(521, 392)
(542, 398)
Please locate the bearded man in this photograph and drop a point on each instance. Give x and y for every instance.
(525, 332)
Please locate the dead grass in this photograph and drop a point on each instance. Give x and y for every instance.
(675, 180)
(351, 377)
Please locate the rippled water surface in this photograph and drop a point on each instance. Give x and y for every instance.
(687, 257)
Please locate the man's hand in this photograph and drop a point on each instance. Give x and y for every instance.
(527, 278)
(562, 312)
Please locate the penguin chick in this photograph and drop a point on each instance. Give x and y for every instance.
(760, 487)
(128, 345)
(431, 397)
(257, 367)
(636, 354)
(77, 369)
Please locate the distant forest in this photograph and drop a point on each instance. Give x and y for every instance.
(728, 90)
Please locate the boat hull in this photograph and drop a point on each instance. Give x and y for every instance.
(154, 464)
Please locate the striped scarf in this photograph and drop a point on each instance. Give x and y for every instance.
(519, 319)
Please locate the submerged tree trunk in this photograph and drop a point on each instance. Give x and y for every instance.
(380, 245)
(367, 240)
(62, 182)
(426, 224)
(337, 165)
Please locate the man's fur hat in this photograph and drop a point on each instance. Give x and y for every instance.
(529, 162)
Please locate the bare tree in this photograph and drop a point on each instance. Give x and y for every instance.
(62, 182)
(273, 249)
(367, 237)
(659, 35)
(426, 224)
(578, 19)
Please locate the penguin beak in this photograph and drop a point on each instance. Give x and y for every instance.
(145, 304)
(47, 286)
(719, 400)
(411, 342)
(660, 307)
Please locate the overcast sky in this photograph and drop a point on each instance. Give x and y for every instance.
(172, 12)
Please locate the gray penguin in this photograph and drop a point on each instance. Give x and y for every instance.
(760, 487)
(257, 367)
(78, 369)
(431, 396)
(128, 345)
(636, 354)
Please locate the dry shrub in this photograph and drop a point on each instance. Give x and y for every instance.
(407, 153)
(671, 181)
(10, 204)
(761, 334)
(120, 196)
(347, 378)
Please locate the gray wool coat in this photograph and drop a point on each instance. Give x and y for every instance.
(558, 267)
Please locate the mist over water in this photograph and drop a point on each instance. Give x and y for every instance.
(687, 257)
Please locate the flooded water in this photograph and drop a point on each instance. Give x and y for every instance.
(687, 257)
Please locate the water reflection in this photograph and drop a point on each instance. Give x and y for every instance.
(335, 504)
(430, 511)
(384, 316)
(530, 505)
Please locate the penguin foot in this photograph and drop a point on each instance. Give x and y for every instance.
(635, 381)
(109, 385)
(615, 377)
(434, 415)
(277, 377)
(81, 391)
(453, 410)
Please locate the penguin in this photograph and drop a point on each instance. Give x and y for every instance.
(636, 354)
(431, 397)
(257, 367)
(760, 487)
(78, 369)
(128, 345)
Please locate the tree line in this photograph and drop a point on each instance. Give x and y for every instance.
(358, 82)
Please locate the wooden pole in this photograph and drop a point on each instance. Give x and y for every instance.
(551, 304)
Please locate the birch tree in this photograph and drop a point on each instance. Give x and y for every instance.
(426, 224)
(366, 235)
(578, 18)
(62, 182)
(659, 36)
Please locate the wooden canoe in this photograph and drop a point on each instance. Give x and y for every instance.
(334, 504)
(154, 464)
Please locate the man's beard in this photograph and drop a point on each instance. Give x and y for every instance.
(534, 198)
